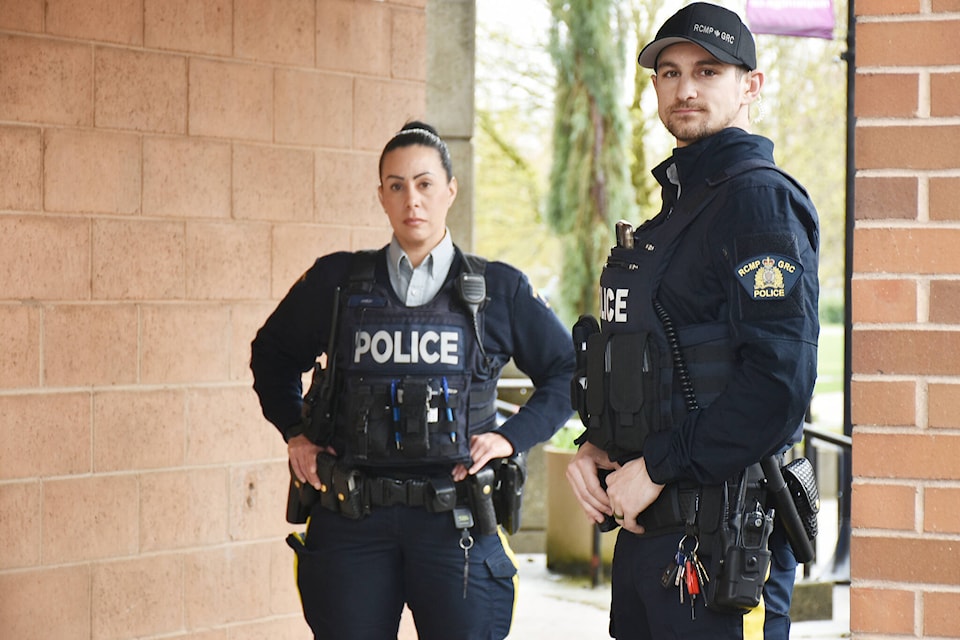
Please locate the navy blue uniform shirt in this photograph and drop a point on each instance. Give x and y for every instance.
(710, 279)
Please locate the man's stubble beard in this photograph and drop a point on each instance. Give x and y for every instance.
(689, 132)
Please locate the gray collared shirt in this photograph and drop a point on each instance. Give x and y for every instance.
(418, 286)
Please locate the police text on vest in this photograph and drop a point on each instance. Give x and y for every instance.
(430, 347)
(613, 304)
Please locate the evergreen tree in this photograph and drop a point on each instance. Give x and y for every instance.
(644, 16)
(590, 183)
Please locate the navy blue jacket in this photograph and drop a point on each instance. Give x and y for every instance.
(517, 324)
(774, 340)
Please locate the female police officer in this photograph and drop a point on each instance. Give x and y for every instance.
(422, 334)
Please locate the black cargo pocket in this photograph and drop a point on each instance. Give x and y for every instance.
(500, 566)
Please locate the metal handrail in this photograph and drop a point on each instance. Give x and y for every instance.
(839, 566)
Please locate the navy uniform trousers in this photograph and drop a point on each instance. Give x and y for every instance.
(354, 577)
(643, 610)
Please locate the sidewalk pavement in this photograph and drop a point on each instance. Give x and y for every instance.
(563, 608)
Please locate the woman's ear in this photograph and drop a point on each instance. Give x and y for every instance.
(453, 187)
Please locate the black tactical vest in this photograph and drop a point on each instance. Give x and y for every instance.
(637, 373)
(408, 394)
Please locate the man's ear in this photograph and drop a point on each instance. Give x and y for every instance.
(754, 82)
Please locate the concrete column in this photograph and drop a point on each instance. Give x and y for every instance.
(451, 39)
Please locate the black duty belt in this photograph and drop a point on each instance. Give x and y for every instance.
(493, 494)
(389, 492)
(680, 505)
(670, 511)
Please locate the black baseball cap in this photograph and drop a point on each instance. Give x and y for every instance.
(718, 30)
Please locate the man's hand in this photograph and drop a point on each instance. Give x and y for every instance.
(631, 491)
(582, 476)
(484, 447)
(303, 459)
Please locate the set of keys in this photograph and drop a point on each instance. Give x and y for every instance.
(686, 574)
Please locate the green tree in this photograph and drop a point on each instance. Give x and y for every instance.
(533, 182)
(590, 184)
(514, 97)
(644, 13)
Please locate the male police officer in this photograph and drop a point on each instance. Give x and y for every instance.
(704, 361)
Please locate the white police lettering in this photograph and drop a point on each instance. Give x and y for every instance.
(613, 304)
(708, 30)
(769, 293)
(430, 348)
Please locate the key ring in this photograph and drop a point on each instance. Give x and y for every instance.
(466, 541)
(696, 545)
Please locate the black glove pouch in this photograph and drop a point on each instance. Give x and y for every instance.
(802, 482)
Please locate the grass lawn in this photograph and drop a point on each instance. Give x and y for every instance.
(830, 359)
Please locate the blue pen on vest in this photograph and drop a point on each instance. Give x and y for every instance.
(396, 414)
(446, 402)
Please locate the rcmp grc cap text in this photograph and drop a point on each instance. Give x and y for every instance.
(714, 28)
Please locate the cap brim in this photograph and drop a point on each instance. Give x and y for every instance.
(649, 54)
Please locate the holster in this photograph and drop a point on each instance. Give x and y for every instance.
(302, 496)
(511, 474)
(298, 505)
(481, 500)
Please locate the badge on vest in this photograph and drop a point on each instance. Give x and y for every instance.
(769, 276)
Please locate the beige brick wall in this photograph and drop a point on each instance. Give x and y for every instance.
(906, 313)
(169, 167)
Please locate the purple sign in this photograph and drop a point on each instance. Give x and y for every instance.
(802, 18)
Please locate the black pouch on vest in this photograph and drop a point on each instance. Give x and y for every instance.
(585, 327)
(634, 383)
(415, 414)
(623, 383)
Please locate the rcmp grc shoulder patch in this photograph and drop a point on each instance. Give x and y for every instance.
(769, 276)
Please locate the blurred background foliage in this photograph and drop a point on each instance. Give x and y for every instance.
(567, 131)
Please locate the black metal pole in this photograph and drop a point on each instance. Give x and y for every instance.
(841, 559)
(596, 558)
